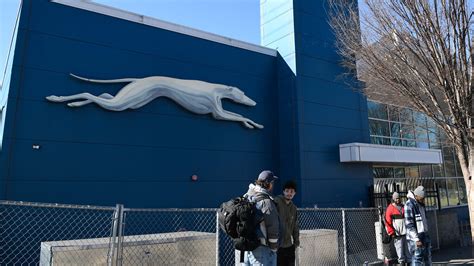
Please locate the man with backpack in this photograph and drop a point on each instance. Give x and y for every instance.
(395, 225)
(268, 230)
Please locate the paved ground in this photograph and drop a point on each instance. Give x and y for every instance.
(454, 256)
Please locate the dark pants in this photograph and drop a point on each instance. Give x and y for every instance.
(286, 256)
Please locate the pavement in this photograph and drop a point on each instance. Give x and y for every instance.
(454, 256)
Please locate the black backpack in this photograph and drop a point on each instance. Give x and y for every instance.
(238, 218)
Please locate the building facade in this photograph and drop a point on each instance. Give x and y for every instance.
(162, 155)
(146, 157)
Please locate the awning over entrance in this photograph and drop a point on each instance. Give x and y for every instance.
(363, 152)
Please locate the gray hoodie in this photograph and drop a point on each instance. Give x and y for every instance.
(269, 229)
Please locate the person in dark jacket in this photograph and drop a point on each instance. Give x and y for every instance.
(291, 232)
(419, 242)
(268, 230)
(395, 226)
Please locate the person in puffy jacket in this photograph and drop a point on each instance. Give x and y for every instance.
(268, 230)
(395, 226)
(419, 242)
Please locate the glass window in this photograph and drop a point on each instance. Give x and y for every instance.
(448, 159)
(422, 145)
(407, 131)
(395, 130)
(442, 136)
(435, 145)
(377, 110)
(380, 140)
(457, 166)
(421, 133)
(420, 119)
(408, 143)
(393, 113)
(452, 186)
(379, 128)
(438, 170)
(443, 194)
(430, 122)
(426, 171)
(462, 191)
(399, 172)
(383, 172)
(433, 134)
(412, 171)
(396, 142)
(406, 115)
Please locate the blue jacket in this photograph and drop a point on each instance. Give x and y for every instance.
(415, 219)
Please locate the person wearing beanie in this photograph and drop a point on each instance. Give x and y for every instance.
(418, 239)
(287, 211)
(395, 226)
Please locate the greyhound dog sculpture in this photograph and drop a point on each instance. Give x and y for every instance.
(196, 96)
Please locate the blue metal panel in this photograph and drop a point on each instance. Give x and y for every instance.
(330, 113)
(315, 114)
(331, 93)
(143, 157)
(326, 193)
(289, 164)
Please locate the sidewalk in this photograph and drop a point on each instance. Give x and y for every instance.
(453, 256)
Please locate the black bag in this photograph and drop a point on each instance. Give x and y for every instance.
(238, 219)
(386, 238)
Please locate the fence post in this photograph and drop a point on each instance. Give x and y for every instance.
(437, 229)
(438, 196)
(120, 236)
(344, 235)
(217, 238)
(110, 254)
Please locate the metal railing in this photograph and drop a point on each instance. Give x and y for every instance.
(47, 234)
(381, 193)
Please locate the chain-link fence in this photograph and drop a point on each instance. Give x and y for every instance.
(52, 234)
(168, 237)
(46, 234)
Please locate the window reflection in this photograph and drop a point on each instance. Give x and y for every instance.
(453, 193)
(398, 126)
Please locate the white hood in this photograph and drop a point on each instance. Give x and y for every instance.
(410, 195)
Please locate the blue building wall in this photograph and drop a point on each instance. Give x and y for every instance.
(146, 157)
(329, 114)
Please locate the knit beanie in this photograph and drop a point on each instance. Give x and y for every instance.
(419, 191)
(395, 196)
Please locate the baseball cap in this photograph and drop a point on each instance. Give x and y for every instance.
(267, 176)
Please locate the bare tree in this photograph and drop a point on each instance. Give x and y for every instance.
(415, 53)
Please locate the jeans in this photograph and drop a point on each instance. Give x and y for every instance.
(286, 256)
(262, 255)
(400, 243)
(420, 254)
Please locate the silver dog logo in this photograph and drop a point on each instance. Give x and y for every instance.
(196, 96)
